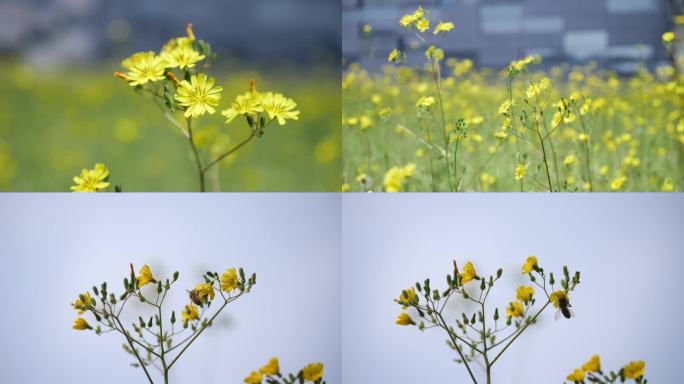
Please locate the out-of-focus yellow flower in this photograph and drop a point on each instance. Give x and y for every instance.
(515, 309)
(367, 29)
(529, 264)
(271, 368)
(395, 177)
(535, 89)
(576, 375)
(425, 102)
(556, 298)
(229, 280)
(181, 57)
(593, 365)
(524, 293)
(394, 56)
(92, 180)
(279, 107)
(404, 319)
(634, 369)
(520, 171)
(145, 276)
(143, 67)
(80, 324)
(668, 185)
(443, 28)
(434, 53)
(312, 372)
(468, 272)
(668, 37)
(422, 24)
(254, 378)
(569, 160)
(199, 96)
(617, 183)
(487, 179)
(205, 291)
(345, 187)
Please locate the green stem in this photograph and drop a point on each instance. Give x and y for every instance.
(546, 163)
(453, 340)
(128, 339)
(200, 171)
(520, 332)
(232, 150)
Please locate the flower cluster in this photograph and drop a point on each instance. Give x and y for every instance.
(590, 372)
(175, 82)
(270, 373)
(481, 337)
(157, 341)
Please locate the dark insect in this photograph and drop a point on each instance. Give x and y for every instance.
(195, 297)
(564, 309)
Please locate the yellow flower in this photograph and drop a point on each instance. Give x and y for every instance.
(145, 276)
(92, 180)
(404, 319)
(247, 104)
(177, 43)
(668, 186)
(524, 293)
(82, 303)
(617, 183)
(205, 291)
(410, 298)
(422, 24)
(394, 56)
(520, 171)
(443, 27)
(367, 28)
(279, 107)
(271, 368)
(534, 89)
(668, 37)
(515, 309)
(345, 187)
(80, 324)
(143, 67)
(199, 96)
(434, 53)
(253, 378)
(190, 313)
(425, 102)
(181, 57)
(468, 273)
(529, 264)
(576, 375)
(229, 280)
(569, 160)
(593, 365)
(312, 372)
(557, 296)
(634, 369)
(395, 177)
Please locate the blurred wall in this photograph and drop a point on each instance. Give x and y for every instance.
(60, 32)
(616, 33)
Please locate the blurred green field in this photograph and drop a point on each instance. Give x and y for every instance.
(54, 124)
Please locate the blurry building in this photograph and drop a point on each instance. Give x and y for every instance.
(64, 32)
(618, 34)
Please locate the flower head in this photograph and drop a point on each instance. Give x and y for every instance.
(404, 319)
(515, 309)
(312, 372)
(569, 160)
(468, 273)
(181, 57)
(143, 67)
(520, 171)
(394, 56)
(668, 37)
(199, 96)
(279, 107)
(425, 102)
(443, 28)
(229, 280)
(634, 369)
(593, 365)
(83, 303)
(204, 292)
(254, 378)
(271, 368)
(556, 298)
(80, 324)
(529, 264)
(576, 375)
(247, 104)
(524, 293)
(617, 183)
(395, 177)
(422, 24)
(190, 313)
(145, 276)
(92, 180)
(408, 297)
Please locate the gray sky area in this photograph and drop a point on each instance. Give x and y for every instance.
(628, 306)
(55, 246)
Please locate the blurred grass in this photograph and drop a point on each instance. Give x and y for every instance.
(54, 124)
